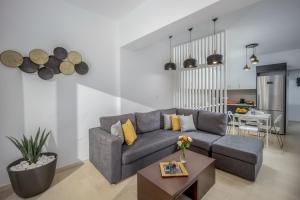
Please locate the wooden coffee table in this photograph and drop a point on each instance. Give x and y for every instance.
(201, 169)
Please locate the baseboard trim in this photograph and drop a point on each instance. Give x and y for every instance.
(5, 188)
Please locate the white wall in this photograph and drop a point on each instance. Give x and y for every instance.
(144, 82)
(293, 96)
(67, 105)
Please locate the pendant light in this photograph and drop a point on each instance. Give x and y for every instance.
(215, 59)
(253, 58)
(246, 67)
(190, 62)
(170, 64)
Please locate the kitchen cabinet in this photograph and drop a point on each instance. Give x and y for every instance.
(240, 79)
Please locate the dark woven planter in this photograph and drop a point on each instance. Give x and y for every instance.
(31, 182)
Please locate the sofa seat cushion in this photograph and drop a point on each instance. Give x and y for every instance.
(148, 143)
(203, 139)
(146, 122)
(107, 122)
(239, 147)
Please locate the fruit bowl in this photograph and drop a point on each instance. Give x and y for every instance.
(241, 110)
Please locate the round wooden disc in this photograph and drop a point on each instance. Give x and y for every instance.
(53, 63)
(38, 56)
(28, 66)
(81, 68)
(45, 73)
(74, 57)
(11, 58)
(60, 53)
(66, 68)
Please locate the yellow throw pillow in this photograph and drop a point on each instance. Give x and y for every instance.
(175, 122)
(129, 132)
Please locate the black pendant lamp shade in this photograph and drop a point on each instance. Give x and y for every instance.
(190, 62)
(246, 67)
(170, 65)
(215, 59)
(253, 58)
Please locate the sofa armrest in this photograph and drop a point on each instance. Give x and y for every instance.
(106, 153)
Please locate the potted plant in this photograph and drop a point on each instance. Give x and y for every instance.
(32, 174)
(183, 143)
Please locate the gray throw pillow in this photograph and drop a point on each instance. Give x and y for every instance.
(187, 123)
(167, 121)
(116, 130)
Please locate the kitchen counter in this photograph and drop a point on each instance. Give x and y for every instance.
(233, 107)
(241, 104)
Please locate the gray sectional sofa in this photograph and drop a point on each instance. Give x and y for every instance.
(116, 161)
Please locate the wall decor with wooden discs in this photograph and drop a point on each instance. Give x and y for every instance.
(46, 66)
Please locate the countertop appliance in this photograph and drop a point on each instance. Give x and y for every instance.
(271, 92)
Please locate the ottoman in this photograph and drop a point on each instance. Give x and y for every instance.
(241, 156)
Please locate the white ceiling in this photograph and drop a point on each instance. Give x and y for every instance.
(114, 9)
(271, 23)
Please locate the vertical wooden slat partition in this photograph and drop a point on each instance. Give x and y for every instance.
(203, 87)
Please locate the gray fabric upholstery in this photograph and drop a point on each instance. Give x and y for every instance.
(212, 122)
(186, 112)
(237, 167)
(166, 111)
(187, 123)
(203, 139)
(105, 153)
(238, 147)
(107, 122)
(133, 167)
(199, 150)
(146, 122)
(238, 155)
(148, 143)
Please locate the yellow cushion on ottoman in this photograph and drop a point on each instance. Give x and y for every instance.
(175, 122)
(129, 132)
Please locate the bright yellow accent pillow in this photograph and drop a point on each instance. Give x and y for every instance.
(175, 123)
(129, 132)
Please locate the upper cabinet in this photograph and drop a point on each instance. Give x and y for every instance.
(240, 79)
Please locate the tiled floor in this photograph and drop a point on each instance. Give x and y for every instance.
(279, 178)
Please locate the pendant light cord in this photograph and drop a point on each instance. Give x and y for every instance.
(214, 36)
(246, 55)
(190, 45)
(170, 37)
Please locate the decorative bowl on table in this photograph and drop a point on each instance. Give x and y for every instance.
(241, 110)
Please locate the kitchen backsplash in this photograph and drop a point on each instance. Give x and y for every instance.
(236, 95)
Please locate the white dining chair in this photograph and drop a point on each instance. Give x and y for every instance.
(248, 124)
(276, 130)
(230, 123)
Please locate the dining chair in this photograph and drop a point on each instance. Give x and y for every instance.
(276, 130)
(256, 112)
(244, 125)
(230, 123)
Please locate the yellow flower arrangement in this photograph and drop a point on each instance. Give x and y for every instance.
(184, 142)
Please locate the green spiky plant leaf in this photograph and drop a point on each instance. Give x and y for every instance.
(31, 148)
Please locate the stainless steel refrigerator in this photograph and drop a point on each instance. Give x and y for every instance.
(271, 93)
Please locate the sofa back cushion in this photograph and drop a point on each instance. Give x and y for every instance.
(187, 112)
(212, 122)
(165, 111)
(107, 122)
(146, 122)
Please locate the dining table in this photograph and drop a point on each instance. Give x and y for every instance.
(264, 118)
